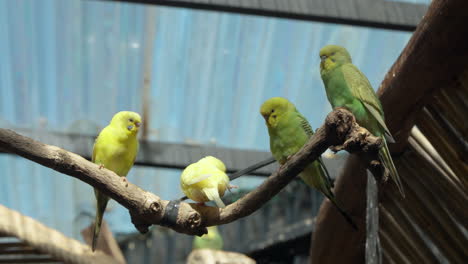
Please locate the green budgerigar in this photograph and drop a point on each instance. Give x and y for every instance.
(289, 131)
(212, 240)
(115, 149)
(348, 87)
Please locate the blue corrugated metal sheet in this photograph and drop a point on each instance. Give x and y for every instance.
(70, 65)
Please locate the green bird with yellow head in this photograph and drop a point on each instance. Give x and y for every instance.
(289, 131)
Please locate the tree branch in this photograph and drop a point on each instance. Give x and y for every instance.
(340, 130)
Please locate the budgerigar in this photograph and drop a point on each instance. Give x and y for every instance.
(115, 149)
(348, 87)
(212, 240)
(205, 180)
(289, 131)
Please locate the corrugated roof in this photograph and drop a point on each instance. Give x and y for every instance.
(430, 224)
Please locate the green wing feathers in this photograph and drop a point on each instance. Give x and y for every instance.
(361, 88)
(309, 131)
(386, 159)
(305, 125)
(376, 115)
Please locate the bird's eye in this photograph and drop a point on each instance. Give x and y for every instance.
(131, 119)
(272, 110)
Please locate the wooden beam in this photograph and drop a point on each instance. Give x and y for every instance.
(367, 13)
(8, 245)
(159, 154)
(172, 155)
(332, 232)
(433, 59)
(20, 251)
(29, 260)
(275, 241)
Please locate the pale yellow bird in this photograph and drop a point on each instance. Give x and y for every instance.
(205, 180)
(115, 149)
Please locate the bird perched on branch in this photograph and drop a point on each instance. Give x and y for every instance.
(211, 240)
(289, 131)
(346, 86)
(205, 180)
(115, 149)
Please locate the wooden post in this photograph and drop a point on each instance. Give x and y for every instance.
(106, 241)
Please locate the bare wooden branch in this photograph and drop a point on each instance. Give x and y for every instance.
(340, 130)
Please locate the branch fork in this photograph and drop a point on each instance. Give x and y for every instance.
(349, 135)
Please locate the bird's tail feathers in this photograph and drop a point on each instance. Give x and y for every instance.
(101, 207)
(325, 172)
(342, 212)
(213, 195)
(386, 159)
(252, 168)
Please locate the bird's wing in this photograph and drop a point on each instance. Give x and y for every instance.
(97, 145)
(309, 131)
(305, 125)
(379, 119)
(196, 177)
(361, 88)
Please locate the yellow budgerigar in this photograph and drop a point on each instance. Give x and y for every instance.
(115, 149)
(205, 180)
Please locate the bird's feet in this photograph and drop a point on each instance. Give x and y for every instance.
(336, 149)
(282, 164)
(125, 181)
(101, 166)
(232, 187)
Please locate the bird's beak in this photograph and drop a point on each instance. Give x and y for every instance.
(266, 116)
(323, 59)
(137, 124)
